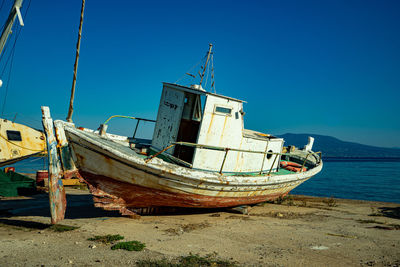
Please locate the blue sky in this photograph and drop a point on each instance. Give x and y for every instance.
(324, 67)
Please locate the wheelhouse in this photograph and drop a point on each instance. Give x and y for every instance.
(207, 120)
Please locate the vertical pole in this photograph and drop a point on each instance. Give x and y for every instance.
(134, 133)
(223, 162)
(205, 65)
(78, 46)
(265, 154)
(57, 198)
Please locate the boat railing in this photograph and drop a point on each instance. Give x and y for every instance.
(316, 155)
(129, 117)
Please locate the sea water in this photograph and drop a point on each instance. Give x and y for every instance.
(366, 179)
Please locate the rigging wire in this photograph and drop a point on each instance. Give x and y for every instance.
(8, 83)
(209, 72)
(11, 55)
(194, 66)
(19, 28)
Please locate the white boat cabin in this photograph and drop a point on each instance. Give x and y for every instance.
(190, 114)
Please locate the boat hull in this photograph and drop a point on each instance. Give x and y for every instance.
(111, 194)
(123, 181)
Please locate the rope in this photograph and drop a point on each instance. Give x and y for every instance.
(21, 146)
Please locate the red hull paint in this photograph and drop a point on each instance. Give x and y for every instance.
(114, 195)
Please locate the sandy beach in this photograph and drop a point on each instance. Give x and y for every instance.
(300, 231)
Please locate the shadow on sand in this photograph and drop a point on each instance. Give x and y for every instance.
(391, 212)
(79, 206)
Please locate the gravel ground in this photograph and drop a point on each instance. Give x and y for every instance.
(302, 231)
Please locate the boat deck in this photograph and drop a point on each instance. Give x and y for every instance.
(128, 150)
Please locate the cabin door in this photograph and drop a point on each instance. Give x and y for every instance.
(189, 126)
(168, 119)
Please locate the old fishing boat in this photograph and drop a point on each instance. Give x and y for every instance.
(200, 156)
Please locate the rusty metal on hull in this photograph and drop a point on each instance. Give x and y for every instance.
(115, 195)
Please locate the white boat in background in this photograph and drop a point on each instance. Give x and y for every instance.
(200, 156)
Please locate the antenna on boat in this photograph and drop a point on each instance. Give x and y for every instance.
(78, 45)
(205, 64)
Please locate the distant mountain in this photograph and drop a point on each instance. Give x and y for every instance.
(333, 147)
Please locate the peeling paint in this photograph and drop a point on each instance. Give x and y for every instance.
(57, 197)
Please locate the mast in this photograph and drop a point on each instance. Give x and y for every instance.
(15, 11)
(78, 46)
(205, 64)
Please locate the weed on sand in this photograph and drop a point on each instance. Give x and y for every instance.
(188, 261)
(129, 245)
(62, 228)
(106, 239)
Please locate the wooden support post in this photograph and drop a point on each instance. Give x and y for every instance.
(57, 197)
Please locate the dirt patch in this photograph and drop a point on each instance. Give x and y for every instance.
(238, 217)
(306, 236)
(186, 228)
(283, 215)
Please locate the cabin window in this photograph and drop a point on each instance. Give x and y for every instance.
(223, 110)
(269, 155)
(14, 136)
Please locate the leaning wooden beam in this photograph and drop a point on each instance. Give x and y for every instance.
(57, 198)
(69, 169)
